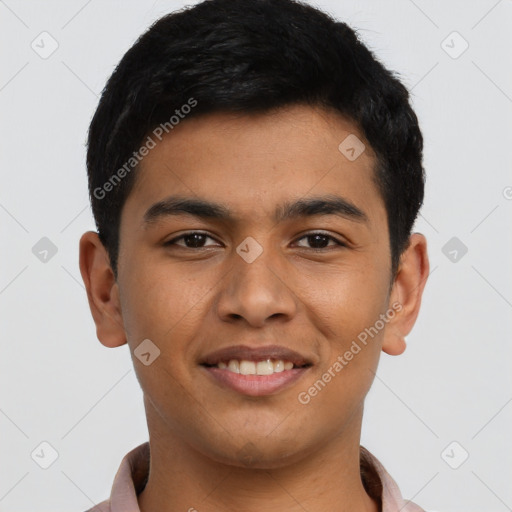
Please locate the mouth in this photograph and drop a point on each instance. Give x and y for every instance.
(248, 367)
(255, 371)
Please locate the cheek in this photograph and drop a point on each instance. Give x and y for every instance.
(161, 300)
(338, 387)
(165, 306)
(349, 304)
(349, 296)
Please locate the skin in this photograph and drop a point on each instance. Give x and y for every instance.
(211, 447)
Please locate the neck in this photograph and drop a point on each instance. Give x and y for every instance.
(182, 478)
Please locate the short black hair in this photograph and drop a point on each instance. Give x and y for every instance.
(251, 56)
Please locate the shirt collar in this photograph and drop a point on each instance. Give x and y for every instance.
(133, 472)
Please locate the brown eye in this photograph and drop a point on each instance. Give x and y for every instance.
(320, 241)
(192, 240)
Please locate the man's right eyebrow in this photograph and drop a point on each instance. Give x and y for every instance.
(177, 205)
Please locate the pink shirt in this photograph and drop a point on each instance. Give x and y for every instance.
(132, 474)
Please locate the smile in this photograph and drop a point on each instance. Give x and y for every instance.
(255, 378)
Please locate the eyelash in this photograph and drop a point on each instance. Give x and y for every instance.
(313, 233)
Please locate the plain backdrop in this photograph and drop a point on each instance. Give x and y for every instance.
(446, 399)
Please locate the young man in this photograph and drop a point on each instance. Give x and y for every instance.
(255, 174)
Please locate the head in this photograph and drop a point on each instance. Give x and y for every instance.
(248, 105)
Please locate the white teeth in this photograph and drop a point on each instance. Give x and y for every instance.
(265, 367)
(234, 366)
(278, 366)
(247, 367)
(244, 367)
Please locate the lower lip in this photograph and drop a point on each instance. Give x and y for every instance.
(256, 385)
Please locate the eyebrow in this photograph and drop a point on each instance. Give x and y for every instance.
(203, 209)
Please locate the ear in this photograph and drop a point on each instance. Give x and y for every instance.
(102, 290)
(406, 294)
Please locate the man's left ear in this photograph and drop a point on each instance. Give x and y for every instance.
(406, 294)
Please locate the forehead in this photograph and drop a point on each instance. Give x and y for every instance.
(255, 164)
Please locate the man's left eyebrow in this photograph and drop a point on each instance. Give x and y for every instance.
(322, 205)
(305, 207)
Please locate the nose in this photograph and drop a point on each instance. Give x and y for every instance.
(256, 291)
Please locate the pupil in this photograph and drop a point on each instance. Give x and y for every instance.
(196, 239)
(316, 238)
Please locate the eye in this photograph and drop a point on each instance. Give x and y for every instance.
(320, 240)
(193, 240)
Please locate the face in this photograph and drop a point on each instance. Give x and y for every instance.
(289, 266)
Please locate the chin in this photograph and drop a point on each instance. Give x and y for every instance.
(261, 454)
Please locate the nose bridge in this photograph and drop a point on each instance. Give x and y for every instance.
(257, 288)
(257, 266)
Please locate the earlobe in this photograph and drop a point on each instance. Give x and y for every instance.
(407, 292)
(394, 342)
(102, 290)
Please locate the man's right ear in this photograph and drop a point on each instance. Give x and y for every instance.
(102, 290)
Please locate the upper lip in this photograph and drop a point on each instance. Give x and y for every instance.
(244, 352)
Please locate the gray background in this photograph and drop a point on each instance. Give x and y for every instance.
(58, 384)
